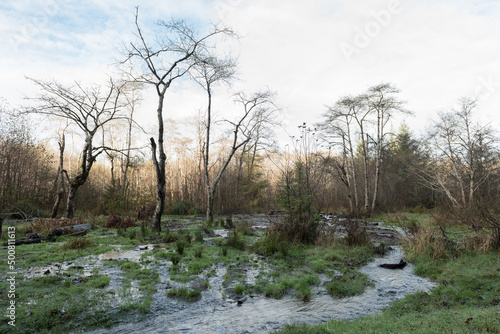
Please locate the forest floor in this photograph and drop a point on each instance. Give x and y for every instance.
(114, 276)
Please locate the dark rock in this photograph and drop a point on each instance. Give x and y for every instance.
(47, 272)
(240, 301)
(399, 265)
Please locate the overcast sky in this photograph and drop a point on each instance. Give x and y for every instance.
(309, 52)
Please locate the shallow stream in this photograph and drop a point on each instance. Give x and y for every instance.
(214, 314)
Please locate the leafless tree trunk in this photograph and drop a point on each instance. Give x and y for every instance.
(255, 111)
(61, 178)
(162, 62)
(338, 131)
(381, 100)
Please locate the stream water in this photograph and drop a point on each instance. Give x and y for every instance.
(214, 314)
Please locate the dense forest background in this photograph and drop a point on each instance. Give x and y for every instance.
(454, 164)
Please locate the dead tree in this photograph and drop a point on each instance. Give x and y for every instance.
(257, 109)
(159, 63)
(339, 131)
(90, 110)
(464, 155)
(62, 177)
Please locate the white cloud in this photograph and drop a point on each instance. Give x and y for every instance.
(434, 51)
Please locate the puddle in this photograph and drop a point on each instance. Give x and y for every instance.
(213, 314)
(221, 233)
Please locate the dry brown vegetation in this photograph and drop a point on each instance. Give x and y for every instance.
(45, 226)
(114, 221)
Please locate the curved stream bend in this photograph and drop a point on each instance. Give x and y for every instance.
(261, 315)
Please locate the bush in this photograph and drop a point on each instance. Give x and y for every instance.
(235, 242)
(180, 245)
(25, 210)
(119, 222)
(427, 242)
(184, 293)
(356, 233)
(113, 201)
(198, 236)
(175, 258)
(169, 237)
(198, 252)
(296, 197)
(239, 289)
(244, 228)
(181, 208)
(78, 243)
(271, 244)
(348, 284)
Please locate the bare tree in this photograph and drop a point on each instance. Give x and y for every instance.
(167, 58)
(338, 131)
(382, 101)
(463, 155)
(62, 175)
(90, 110)
(256, 110)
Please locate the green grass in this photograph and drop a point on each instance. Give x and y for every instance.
(349, 284)
(185, 294)
(44, 305)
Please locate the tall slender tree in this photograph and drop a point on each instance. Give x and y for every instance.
(159, 62)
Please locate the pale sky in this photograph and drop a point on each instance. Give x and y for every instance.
(309, 52)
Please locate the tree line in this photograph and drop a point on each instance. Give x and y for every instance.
(351, 159)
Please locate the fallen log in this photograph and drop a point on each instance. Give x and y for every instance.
(70, 229)
(399, 265)
(36, 238)
(23, 241)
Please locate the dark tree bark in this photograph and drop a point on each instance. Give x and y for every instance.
(61, 177)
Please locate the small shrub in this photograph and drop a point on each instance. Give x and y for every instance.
(427, 242)
(181, 208)
(198, 252)
(227, 223)
(348, 284)
(271, 244)
(175, 258)
(304, 291)
(198, 237)
(244, 228)
(159, 254)
(168, 237)
(99, 281)
(119, 222)
(223, 250)
(180, 245)
(184, 293)
(239, 289)
(132, 234)
(235, 242)
(356, 233)
(78, 243)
